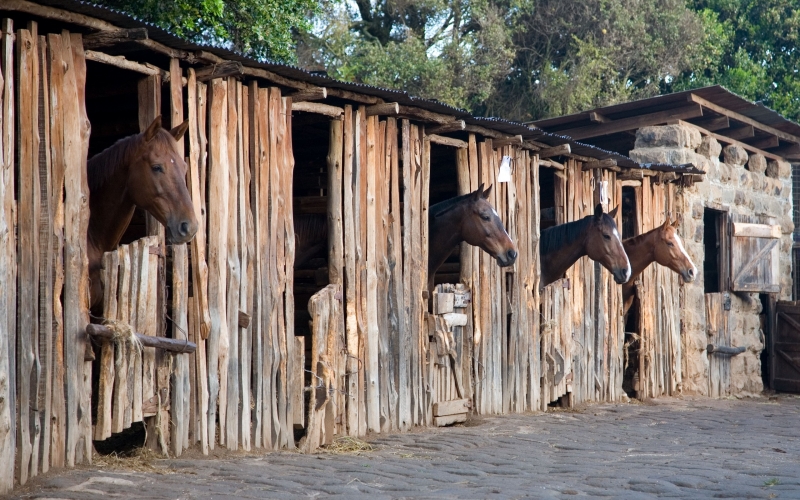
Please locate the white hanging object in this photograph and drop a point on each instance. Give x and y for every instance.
(604, 193)
(505, 170)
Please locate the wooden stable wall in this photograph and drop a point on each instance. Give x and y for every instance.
(45, 380)
(658, 290)
(582, 331)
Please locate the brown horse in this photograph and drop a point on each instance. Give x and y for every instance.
(467, 218)
(144, 170)
(595, 235)
(662, 245)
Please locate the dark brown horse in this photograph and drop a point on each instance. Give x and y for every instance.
(144, 170)
(662, 245)
(595, 235)
(468, 218)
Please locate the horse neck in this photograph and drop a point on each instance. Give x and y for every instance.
(111, 208)
(556, 263)
(641, 252)
(445, 234)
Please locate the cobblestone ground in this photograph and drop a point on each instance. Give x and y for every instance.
(669, 448)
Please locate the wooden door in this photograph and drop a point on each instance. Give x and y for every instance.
(718, 334)
(446, 353)
(755, 254)
(785, 348)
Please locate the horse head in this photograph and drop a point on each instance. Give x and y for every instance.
(603, 244)
(157, 182)
(483, 228)
(669, 252)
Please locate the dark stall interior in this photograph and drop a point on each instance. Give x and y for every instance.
(443, 186)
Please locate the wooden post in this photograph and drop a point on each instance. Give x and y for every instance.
(372, 339)
(217, 240)
(28, 204)
(180, 409)
(398, 332)
(351, 293)
(246, 256)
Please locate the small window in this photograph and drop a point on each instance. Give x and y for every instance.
(716, 261)
(547, 197)
(629, 224)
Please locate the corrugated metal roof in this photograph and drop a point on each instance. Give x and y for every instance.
(715, 94)
(168, 39)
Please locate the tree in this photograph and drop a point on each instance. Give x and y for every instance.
(755, 51)
(456, 51)
(258, 28)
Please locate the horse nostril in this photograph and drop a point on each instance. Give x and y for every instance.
(512, 254)
(691, 273)
(184, 228)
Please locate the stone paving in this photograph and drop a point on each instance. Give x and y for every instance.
(671, 448)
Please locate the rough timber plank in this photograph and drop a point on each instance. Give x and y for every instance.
(372, 338)
(180, 393)
(107, 374)
(246, 253)
(219, 187)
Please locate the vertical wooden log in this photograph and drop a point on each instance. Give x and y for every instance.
(258, 176)
(360, 208)
(7, 258)
(28, 205)
(229, 359)
(372, 337)
(246, 255)
(179, 415)
(78, 371)
(287, 347)
(397, 329)
(199, 305)
(422, 265)
(149, 95)
(350, 271)
(58, 162)
(219, 186)
(335, 264)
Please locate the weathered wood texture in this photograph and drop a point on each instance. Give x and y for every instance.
(718, 332)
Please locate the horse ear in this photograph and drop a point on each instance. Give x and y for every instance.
(666, 224)
(486, 192)
(675, 224)
(477, 193)
(613, 213)
(153, 129)
(181, 129)
(598, 211)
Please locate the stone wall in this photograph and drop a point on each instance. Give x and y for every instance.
(747, 185)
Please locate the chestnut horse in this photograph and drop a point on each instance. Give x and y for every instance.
(662, 245)
(144, 170)
(467, 218)
(595, 235)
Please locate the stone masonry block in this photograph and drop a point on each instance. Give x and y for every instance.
(757, 163)
(710, 148)
(734, 155)
(779, 169)
(675, 136)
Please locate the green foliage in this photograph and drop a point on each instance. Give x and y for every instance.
(260, 28)
(756, 52)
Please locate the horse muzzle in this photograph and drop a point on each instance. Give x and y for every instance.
(182, 232)
(621, 276)
(689, 275)
(506, 259)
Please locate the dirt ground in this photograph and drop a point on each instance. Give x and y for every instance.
(671, 448)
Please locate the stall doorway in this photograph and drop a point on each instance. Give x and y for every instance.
(630, 228)
(444, 186)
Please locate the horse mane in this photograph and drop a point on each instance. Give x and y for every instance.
(102, 166)
(556, 237)
(445, 206)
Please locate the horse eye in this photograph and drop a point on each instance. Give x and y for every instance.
(158, 168)
(670, 245)
(606, 236)
(485, 217)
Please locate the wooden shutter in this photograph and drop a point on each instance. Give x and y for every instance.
(755, 250)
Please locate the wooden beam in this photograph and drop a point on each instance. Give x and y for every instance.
(740, 133)
(551, 164)
(312, 94)
(559, 150)
(386, 109)
(630, 183)
(596, 117)
(715, 123)
(107, 38)
(454, 126)
(766, 142)
(515, 140)
(319, 108)
(425, 115)
(721, 349)
(790, 151)
(608, 163)
(446, 141)
(104, 333)
(276, 78)
(122, 63)
(352, 96)
(742, 118)
(477, 129)
(530, 145)
(221, 70)
(728, 140)
(634, 122)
